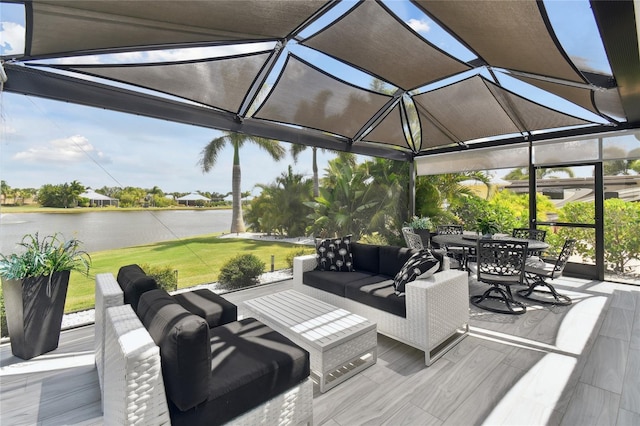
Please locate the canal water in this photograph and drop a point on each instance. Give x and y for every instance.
(113, 229)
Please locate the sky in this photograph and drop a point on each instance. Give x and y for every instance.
(45, 141)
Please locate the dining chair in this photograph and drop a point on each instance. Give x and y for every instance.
(412, 239)
(530, 234)
(538, 270)
(454, 252)
(500, 263)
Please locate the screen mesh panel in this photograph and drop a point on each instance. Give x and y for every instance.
(512, 156)
(371, 39)
(220, 83)
(577, 95)
(88, 25)
(467, 109)
(623, 146)
(389, 130)
(522, 42)
(565, 152)
(533, 115)
(308, 97)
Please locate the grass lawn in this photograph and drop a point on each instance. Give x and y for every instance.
(197, 260)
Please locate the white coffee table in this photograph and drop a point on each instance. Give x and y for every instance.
(339, 342)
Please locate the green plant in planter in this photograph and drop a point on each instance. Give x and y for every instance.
(422, 226)
(34, 286)
(420, 223)
(44, 257)
(486, 226)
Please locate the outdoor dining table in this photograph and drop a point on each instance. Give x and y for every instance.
(468, 241)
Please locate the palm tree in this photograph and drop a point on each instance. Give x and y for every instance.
(544, 173)
(210, 156)
(296, 149)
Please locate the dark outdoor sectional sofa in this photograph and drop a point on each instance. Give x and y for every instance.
(209, 372)
(432, 315)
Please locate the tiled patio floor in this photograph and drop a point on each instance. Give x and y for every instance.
(574, 365)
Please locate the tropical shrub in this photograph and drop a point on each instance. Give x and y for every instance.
(361, 199)
(280, 208)
(300, 251)
(622, 232)
(376, 239)
(241, 271)
(165, 276)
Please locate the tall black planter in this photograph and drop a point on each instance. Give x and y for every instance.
(34, 318)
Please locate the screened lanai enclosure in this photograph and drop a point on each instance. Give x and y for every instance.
(448, 86)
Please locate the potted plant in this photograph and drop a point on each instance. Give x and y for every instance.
(486, 226)
(34, 286)
(421, 226)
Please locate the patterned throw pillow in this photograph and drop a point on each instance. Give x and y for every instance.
(334, 254)
(422, 264)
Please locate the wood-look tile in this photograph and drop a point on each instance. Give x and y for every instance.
(329, 422)
(618, 324)
(591, 406)
(454, 384)
(623, 300)
(475, 338)
(635, 331)
(402, 361)
(343, 398)
(627, 418)
(630, 398)
(488, 377)
(408, 414)
(478, 406)
(535, 397)
(376, 408)
(606, 364)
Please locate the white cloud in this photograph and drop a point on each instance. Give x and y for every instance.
(11, 38)
(73, 149)
(419, 25)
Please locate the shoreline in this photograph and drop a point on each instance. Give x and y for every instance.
(79, 210)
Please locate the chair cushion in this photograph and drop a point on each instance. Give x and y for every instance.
(215, 309)
(335, 283)
(185, 353)
(379, 293)
(366, 257)
(421, 264)
(251, 364)
(334, 254)
(134, 282)
(393, 258)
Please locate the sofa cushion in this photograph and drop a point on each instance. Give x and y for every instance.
(251, 364)
(185, 353)
(215, 309)
(366, 257)
(421, 264)
(334, 254)
(134, 282)
(380, 295)
(392, 259)
(335, 283)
